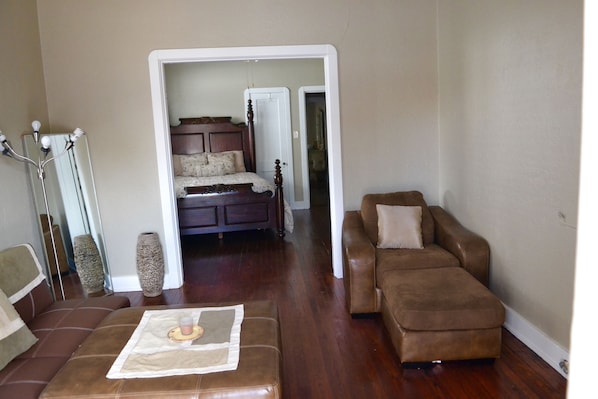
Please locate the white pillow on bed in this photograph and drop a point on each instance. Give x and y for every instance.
(239, 160)
(219, 163)
(208, 164)
(186, 165)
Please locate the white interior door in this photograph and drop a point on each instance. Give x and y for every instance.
(272, 122)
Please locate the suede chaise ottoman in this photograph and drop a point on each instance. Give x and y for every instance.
(258, 375)
(441, 314)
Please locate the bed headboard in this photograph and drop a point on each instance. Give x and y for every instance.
(215, 134)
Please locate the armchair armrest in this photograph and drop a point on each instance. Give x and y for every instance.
(470, 248)
(359, 266)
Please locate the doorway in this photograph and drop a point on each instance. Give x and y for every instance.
(314, 145)
(317, 152)
(158, 58)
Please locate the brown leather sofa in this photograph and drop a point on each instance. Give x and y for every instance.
(434, 299)
(59, 327)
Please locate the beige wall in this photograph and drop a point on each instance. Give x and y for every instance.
(504, 159)
(510, 103)
(95, 61)
(22, 100)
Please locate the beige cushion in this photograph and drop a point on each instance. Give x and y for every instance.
(15, 337)
(238, 159)
(198, 165)
(20, 271)
(220, 163)
(190, 165)
(399, 226)
(369, 214)
(176, 165)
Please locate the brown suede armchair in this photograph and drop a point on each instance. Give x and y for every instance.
(434, 300)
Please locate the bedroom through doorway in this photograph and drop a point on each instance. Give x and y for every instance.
(158, 61)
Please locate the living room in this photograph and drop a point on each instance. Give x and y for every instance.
(477, 106)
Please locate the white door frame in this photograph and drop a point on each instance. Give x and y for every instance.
(158, 58)
(306, 203)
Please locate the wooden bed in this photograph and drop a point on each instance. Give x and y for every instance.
(220, 208)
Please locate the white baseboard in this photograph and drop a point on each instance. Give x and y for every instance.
(300, 205)
(131, 283)
(544, 346)
(125, 284)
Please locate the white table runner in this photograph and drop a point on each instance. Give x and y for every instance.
(150, 353)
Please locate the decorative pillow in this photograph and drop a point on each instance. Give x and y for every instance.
(399, 226)
(15, 337)
(20, 271)
(189, 164)
(239, 160)
(176, 165)
(221, 163)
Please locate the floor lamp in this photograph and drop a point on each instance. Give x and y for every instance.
(43, 159)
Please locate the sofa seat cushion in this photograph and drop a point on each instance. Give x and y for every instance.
(441, 300)
(60, 329)
(65, 324)
(431, 256)
(26, 378)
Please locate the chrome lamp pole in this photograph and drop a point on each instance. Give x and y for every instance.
(39, 165)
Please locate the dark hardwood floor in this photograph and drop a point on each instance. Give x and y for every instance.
(327, 353)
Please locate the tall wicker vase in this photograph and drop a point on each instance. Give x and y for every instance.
(150, 264)
(89, 263)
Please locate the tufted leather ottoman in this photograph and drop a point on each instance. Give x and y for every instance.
(441, 314)
(259, 374)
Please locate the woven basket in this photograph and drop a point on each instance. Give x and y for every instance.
(89, 263)
(150, 264)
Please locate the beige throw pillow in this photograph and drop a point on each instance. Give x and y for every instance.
(15, 337)
(239, 160)
(176, 165)
(189, 165)
(220, 163)
(20, 271)
(399, 226)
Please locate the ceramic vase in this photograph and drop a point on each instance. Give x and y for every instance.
(150, 264)
(88, 263)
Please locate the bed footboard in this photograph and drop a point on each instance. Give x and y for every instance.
(223, 208)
